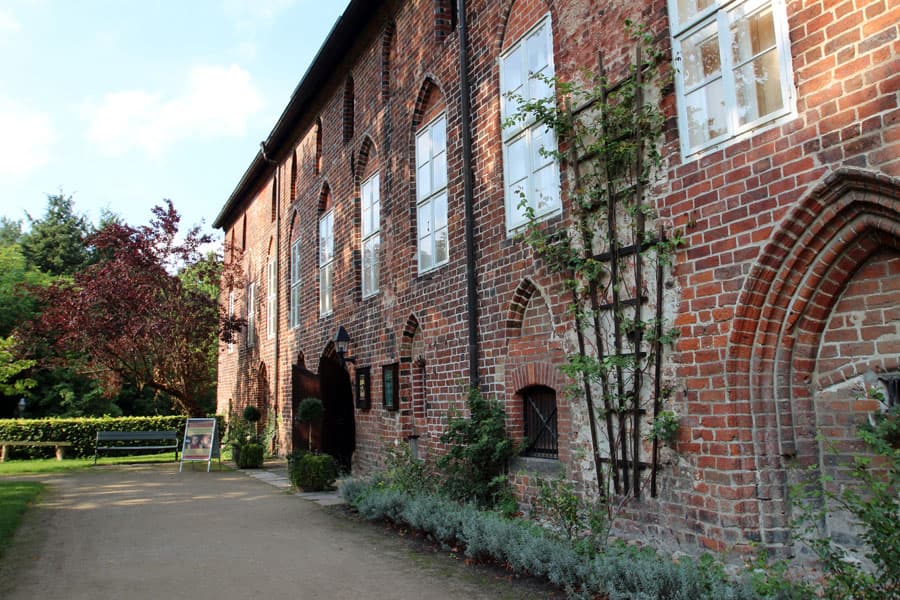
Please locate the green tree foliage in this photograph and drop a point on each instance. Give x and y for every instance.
(18, 302)
(10, 231)
(872, 499)
(11, 367)
(56, 242)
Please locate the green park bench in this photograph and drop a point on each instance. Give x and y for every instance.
(129, 440)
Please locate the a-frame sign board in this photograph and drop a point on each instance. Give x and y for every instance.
(201, 442)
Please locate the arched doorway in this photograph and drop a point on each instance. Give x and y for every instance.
(304, 384)
(338, 423)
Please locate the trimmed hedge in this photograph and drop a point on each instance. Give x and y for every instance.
(250, 456)
(82, 432)
(313, 472)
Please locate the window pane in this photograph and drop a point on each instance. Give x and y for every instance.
(542, 142)
(512, 71)
(705, 110)
(689, 8)
(441, 246)
(546, 182)
(376, 213)
(758, 86)
(539, 49)
(325, 289)
(440, 211)
(439, 168)
(423, 148)
(425, 257)
(295, 261)
(425, 224)
(751, 35)
(439, 136)
(517, 157)
(376, 262)
(295, 305)
(423, 181)
(512, 81)
(370, 265)
(700, 55)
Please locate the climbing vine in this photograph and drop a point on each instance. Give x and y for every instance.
(611, 260)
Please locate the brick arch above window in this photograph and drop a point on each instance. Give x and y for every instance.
(529, 312)
(294, 226)
(518, 17)
(430, 102)
(517, 306)
(325, 202)
(367, 161)
(411, 331)
(544, 373)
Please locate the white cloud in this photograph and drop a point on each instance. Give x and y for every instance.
(26, 140)
(8, 22)
(217, 103)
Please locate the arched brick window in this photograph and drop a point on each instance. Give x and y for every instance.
(540, 421)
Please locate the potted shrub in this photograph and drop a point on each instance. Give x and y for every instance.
(251, 456)
(313, 472)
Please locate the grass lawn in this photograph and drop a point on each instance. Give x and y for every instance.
(51, 465)
(15, 497)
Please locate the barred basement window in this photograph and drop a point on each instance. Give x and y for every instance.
(541, 434)
(892, 383)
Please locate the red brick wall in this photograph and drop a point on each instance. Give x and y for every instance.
(776, 226)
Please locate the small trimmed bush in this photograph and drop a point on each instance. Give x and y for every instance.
(251, 414)
(313, 472)
(250, 456)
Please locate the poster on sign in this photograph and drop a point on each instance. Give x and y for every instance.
(199, 441)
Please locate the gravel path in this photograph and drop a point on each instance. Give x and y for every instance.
(150, 532)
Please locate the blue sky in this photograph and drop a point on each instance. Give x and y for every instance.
(122, 103)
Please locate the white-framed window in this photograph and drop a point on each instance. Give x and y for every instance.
(370, 196)
(431, 194)
(231, 316)
(326, 262)
(733, 69)
(530, 170)
(251, 314)
(271, 297)
(295, 284)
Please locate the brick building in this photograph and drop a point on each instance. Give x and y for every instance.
(383, 202)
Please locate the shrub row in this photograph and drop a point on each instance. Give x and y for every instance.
(620, 572)
(81, 432)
